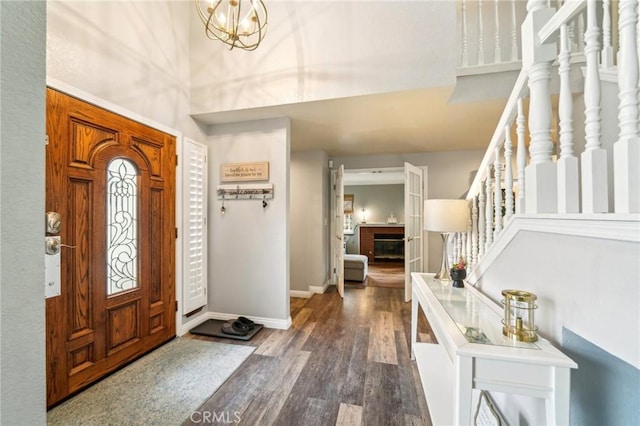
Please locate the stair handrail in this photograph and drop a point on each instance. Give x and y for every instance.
(506, 119)
(542, 27)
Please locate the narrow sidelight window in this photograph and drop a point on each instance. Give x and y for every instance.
(122, 218)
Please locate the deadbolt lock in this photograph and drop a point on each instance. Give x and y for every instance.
(52, 222)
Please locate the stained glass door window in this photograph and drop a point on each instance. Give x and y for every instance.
(122, 218)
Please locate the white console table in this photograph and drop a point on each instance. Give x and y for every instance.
(473, 354)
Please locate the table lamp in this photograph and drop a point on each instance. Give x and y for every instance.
(445, 216)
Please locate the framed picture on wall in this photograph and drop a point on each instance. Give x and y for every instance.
(348, 204)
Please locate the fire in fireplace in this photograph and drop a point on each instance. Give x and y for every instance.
(388, 247)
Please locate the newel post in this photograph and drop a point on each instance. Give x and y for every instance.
(540, 175)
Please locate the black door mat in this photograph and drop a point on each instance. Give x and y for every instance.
(213, 328)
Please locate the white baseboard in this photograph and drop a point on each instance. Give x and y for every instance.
(184, 328)
(319, 289)
(267, 322)
(300, 293)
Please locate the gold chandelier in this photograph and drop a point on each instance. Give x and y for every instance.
(233, 24)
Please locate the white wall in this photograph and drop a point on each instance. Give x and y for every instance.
(586, 285)
(249, 245)
(133, 54)
(22, 173)
(318, 50)
(309, 219)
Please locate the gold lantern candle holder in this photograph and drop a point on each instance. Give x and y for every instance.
(518, 322)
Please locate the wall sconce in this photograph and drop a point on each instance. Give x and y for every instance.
(363, 216)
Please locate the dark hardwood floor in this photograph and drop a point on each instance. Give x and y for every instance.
(343, 362)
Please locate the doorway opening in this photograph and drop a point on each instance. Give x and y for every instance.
(385, 212)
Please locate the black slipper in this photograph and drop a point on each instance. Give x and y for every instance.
(246, 321)
(235, 328)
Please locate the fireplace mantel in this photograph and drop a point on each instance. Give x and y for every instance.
(368, 231)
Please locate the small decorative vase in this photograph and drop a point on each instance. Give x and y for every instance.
(457, 275)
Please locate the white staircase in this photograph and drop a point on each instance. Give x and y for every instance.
(572, 153)
(555, 204)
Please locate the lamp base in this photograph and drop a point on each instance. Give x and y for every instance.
(444, 274)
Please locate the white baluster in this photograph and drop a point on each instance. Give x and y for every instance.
(508, 175)
(580, 32)
(540, 183)
(626, 149)
(469, 236)
(482, 233)
(607, 48)
(573, 39)
(465, 42)
(521, 157)
(497, 195)
(474, 231)
(489, 210)
(514, 36)
(480, 35)
(595, 198)
(459, 237)
(568, 182)
(463, 248)
(497, 54)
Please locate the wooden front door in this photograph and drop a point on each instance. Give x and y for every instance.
(113, 182)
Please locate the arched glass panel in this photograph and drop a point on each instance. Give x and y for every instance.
(122, 218)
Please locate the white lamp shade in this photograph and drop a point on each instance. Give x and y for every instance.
(446, 215)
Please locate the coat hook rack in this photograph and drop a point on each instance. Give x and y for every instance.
(245, 192)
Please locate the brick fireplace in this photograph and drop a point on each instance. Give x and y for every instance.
(388, 240)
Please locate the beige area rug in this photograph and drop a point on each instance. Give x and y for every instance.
(162, 388)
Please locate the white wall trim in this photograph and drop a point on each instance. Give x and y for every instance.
(196, 321)
(300, 293)
(611, 226)
(320, 289)
(489, 68)
(103, 103)
(267, 322)
(609, 74)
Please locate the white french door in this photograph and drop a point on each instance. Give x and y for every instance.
(338, 186)
(413, 224)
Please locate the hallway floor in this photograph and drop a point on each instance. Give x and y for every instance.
(343, 362)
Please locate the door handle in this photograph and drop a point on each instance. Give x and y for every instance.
(52, 245)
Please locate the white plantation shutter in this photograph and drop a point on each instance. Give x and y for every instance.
(194, 225)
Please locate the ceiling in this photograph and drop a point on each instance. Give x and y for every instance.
(391, 123)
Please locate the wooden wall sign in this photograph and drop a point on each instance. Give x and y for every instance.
(242, 172)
